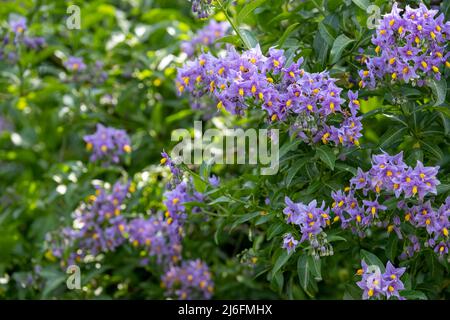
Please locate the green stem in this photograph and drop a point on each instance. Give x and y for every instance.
(235, 28)
(318, 7)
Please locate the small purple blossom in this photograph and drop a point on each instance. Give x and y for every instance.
(289, 243)
(75, 64)
(376, 284)
(191, 280)
(107, 144)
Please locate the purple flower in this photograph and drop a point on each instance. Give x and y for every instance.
(157, 236)
(201, 8)
(376, 284)
(205, 37)
(191, 280)
(75, 64)
(410, 47)
(214, 181)
(18, 25)
(98, 227)
(310, 218)
(107, 144)
(307, 100)
(289, 243)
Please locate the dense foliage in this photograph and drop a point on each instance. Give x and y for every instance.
(358, 209)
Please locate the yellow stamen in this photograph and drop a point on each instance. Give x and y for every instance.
(127, 148)
(373, 210)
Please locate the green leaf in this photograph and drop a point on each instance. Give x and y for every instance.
(286, 33)
(334, 237)
(233, 39)
(391, 247)
(363, 4)
(247, 9)
(315, 264)
(392, 136)
(304, 272)
(249, 38)
(339, 44)
(327, 156)
(281, 261)
(371, 259)
(220, 199)
(294, 169)
(413, 295)
(433, 149)
(326, 33)
(245, 218)
(443, 188)
(439, 89)
(345, 167)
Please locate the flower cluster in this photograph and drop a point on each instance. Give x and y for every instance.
(205, 37)
(158, 237)
(410, 46)
(16, 37)
(107, 144)
(311, 219)
(389, 178)
(435, 222)
(175, 200)
(376, 284)
(84, 73)
(191, 280)
(75, 64)
(201, 8)
(98, 225)
(390, 173)
(312, 100)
